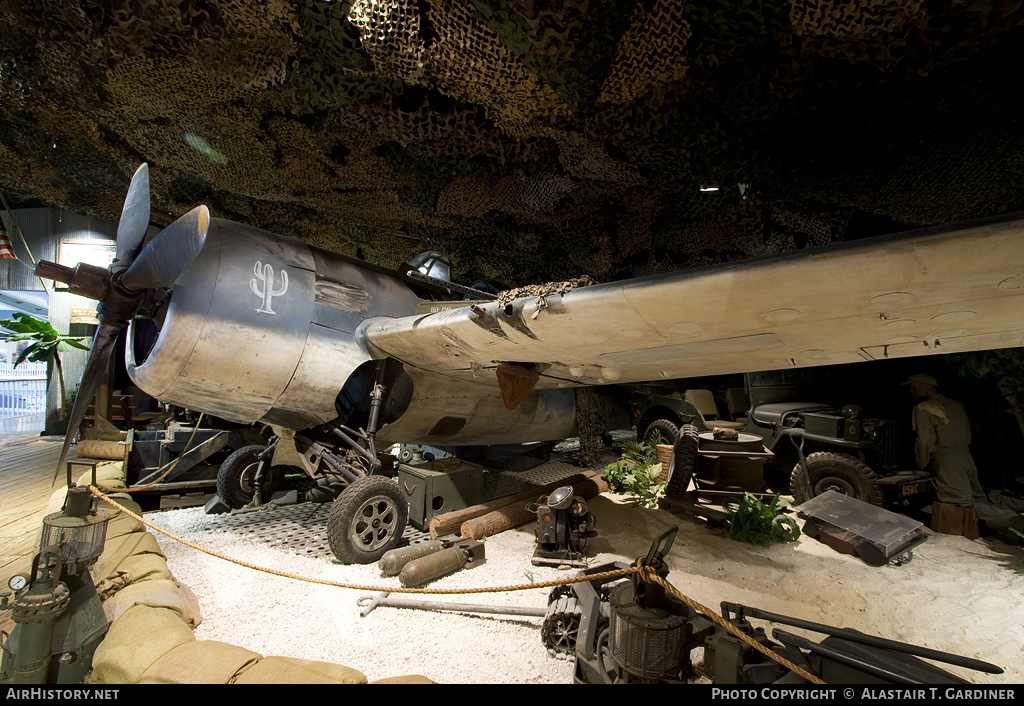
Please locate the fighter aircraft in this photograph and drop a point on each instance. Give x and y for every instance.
(339, 355)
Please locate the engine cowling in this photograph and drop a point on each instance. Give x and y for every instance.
(260, 328)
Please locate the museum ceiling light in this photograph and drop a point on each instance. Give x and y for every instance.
(203, 147)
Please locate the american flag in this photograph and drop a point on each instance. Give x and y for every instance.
(6, 249)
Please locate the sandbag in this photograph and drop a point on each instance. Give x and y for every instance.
(191, 603)
(291, 670)
(108, 473)
(121, 524)
(126, 559)
(410, 679)
(133, 644)
(156, 593)
(96, 449)
(123, 499)
(116, 550)
(204, 662)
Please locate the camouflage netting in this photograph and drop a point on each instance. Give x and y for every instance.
(529, 141)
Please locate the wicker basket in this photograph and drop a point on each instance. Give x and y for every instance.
(664, 455)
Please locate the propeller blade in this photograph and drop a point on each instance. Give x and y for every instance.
(167, 255)
(95, 369)
(134, 223)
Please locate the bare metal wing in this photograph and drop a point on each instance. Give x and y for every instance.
(926, 292)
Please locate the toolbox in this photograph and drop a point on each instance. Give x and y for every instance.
(851, 526)
(436, 487)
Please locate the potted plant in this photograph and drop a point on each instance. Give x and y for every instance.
(46, 346)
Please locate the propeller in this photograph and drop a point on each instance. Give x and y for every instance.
(134, 223)
(123, 288)
(170, 253)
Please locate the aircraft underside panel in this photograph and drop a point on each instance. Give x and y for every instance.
(447, 413)
(945, 345)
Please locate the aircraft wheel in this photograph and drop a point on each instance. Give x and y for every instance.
(667, 430)
(834, 471)
(236, 476)
(367, 520)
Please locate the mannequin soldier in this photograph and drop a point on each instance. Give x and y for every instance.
(943, 437)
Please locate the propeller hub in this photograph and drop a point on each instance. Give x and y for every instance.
(120, 304)
(85, 280)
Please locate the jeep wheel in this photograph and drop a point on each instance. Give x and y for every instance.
(667, 430)
(834, 471)
(367, 520)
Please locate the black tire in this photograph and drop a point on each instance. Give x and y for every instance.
(367, 520)
(835, 471)
(683, 463)
(668, 431)
(235, 477)
(561, 625)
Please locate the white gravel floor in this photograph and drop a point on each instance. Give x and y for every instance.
(957, 595)
(277, 616)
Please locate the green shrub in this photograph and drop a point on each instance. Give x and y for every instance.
(636, 473)
(751, 521)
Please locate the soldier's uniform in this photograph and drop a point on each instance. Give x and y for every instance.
(943, 437)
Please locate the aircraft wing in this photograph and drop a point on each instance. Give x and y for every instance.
(925, 292)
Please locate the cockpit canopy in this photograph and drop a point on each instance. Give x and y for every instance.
(433, 264)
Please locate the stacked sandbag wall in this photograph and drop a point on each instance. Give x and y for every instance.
(150, 639)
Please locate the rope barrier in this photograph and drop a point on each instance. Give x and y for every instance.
(647, 574)
(359, 587)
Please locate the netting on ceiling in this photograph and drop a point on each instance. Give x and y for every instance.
(531, 141)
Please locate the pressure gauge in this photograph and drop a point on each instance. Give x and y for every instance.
(17, 582)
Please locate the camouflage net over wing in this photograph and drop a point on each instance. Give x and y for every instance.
(543, 290)
(529, 141)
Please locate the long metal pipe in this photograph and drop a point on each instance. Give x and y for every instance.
(854, 636)
(468, 608)
(369, 604)
(353, 445)
(339, 469)
(787, 638)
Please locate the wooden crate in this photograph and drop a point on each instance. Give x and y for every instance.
(953, 519)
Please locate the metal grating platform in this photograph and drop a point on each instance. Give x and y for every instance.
(498, 485)
(302, 528)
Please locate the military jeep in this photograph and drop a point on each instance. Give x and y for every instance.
(841, 449)
(658, 412)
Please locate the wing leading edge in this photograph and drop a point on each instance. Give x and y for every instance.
(919, 293)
